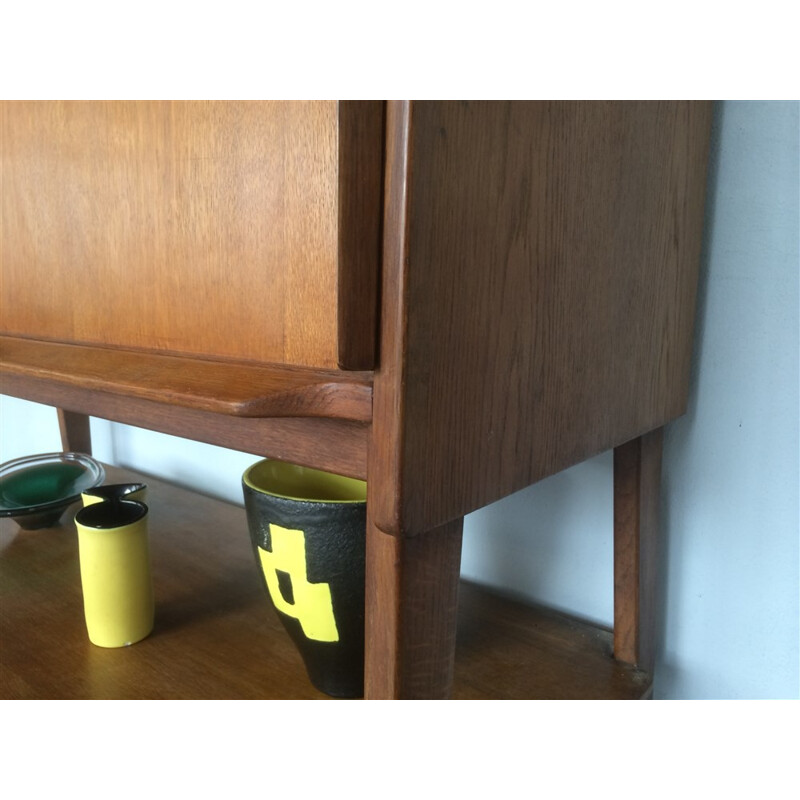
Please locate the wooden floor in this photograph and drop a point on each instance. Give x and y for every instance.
(216, 637)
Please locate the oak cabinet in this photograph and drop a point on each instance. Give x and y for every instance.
(452, 300)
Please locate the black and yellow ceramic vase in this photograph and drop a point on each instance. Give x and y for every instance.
(308, 530)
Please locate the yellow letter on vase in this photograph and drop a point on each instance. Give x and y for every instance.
(312, 606)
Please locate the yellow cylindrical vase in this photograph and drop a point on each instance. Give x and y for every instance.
(115, 572)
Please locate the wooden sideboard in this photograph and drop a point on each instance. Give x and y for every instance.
(452, 300)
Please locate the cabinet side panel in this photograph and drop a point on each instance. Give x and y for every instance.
(551, 269)
(193, 227)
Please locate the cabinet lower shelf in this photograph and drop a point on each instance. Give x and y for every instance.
(216, 638)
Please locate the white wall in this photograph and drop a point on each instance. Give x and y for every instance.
(732, 485)
(729, 600)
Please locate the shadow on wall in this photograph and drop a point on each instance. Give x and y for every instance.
(550, 543)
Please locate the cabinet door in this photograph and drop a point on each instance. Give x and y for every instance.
(245, 230)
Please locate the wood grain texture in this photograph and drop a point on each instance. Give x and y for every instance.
(76, 434)
(637, 484)
(216, 638)
(330, 444)
(510, 651)
(361, 150)
(539, 263)
(208, 228)
(546, 255)
(236, 388)
(411, 613)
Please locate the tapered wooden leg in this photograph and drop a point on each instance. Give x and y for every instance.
(637, 482)
(411, 608)
(76, 436)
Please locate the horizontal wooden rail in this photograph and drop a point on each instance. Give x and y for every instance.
(239, 389)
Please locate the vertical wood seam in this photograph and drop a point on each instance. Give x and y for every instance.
(386, 442)
(360, 193)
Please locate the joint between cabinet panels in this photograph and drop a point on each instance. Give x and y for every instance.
(385, 457)
(360, 191)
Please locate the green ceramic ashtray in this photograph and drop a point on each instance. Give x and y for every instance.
(36, 490)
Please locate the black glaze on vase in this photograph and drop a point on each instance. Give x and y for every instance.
(334, 538)
(117, 491)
